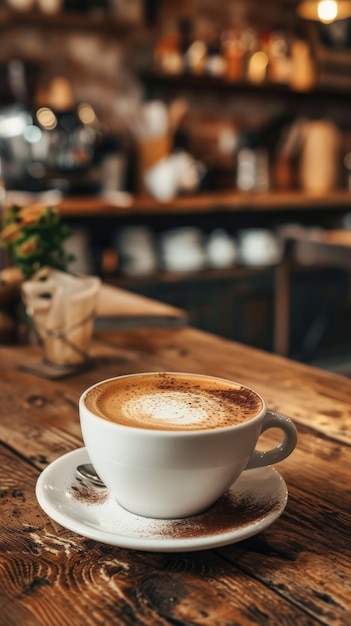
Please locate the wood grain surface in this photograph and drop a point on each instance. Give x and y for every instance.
(122, 309)
(295, 572)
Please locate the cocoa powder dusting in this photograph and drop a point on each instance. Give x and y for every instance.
(86, 493)
(246, 399)
(232, 512)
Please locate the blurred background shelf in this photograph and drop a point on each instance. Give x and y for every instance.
(112, 66)
(157, 82)
(219, 201)
(96, 23)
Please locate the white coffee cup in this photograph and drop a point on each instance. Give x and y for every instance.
(176, 464)
(182, 249)
(176, 172)
(259, 246)
(136, 248)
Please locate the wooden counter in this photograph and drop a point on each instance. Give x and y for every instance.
(211, 202)
(296, 571)
(118, 308)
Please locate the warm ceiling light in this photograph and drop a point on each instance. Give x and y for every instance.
(325, 11)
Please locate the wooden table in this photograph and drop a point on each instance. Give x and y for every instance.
(117, 308)
(295, 572)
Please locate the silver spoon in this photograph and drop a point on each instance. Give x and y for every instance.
(88, 472)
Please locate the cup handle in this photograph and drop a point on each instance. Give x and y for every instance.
(260, 458)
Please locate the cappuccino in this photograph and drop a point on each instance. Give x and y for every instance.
(172, 401)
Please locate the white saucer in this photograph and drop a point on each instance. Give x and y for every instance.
(256, 500)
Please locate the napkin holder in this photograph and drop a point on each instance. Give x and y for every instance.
(61, 307)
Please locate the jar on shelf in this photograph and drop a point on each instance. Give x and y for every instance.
(253, 170)
(320, 162)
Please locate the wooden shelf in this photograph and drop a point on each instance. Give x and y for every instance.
(68, 20)
(214, 202)
(205, 275)
(157, 80)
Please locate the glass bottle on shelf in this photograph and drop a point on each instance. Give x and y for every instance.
(279, 69)
(303, 72)
(258, 60)
(196, 57)
(167, 52)
(194, 48)
(253, 167)
(233, 53)
(216, 64)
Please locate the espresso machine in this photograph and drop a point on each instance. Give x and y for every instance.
(50, 141)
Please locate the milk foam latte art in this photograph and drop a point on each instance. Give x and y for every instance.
(166, 401)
